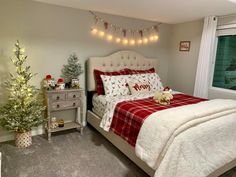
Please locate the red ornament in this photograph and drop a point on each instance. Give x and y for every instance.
(60, 80)
(48, 77)
(166, 88)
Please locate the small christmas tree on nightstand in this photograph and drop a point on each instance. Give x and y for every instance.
(72, 70)
(23, 110)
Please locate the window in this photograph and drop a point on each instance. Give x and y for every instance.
(225, 63)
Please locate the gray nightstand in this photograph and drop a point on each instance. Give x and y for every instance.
(58, 100)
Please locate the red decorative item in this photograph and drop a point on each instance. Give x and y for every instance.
(48, 77)
(166, 88)
(141, 33)
(60, 80)
(106, 25)
(124, 32)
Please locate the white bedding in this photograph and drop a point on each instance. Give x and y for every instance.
(189, 141)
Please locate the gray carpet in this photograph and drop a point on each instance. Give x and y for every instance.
(70, 155)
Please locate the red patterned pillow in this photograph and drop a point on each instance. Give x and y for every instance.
(98, 79)
(133, 71)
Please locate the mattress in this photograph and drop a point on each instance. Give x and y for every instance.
(99, 104)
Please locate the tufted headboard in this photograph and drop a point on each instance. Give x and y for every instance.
(117, 61)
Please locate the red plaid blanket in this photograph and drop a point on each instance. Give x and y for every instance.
(129, 115)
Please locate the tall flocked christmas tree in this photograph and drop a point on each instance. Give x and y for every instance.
(23, 110)
(72, 70)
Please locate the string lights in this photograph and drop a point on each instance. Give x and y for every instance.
(120, 35)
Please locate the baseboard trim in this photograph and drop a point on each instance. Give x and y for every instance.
(11, 136)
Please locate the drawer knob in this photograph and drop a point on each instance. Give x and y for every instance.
(58, 97)
(58, 106)
(73, 104)
(74, 96)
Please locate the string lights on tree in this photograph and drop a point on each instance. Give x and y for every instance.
(125, 36)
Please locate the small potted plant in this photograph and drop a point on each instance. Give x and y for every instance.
(72, 71)
(23, 109)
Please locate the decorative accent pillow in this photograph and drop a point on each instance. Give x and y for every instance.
(139, 87)
(133, 71)
(116, 85)
(152, 78)
(98, 79)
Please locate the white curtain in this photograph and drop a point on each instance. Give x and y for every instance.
(205, 57)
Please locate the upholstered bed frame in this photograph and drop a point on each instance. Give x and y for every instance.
(114, 62)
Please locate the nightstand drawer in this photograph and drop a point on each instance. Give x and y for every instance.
(65, 105)
(73, 95)
(58, 96)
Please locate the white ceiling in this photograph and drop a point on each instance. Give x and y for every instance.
(166, 11)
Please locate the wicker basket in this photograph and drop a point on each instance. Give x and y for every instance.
(23, 140)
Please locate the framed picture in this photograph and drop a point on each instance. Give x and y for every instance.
(184, 46)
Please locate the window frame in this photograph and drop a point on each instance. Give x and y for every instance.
(221, 31)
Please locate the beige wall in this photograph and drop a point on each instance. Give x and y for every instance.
(51, 33)
(183, 65)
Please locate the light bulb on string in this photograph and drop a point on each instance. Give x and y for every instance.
(109, 37)
(145, 40)
(124, 40)
(101, 33)
(94, 31)
(151, 34)
(118, 40)
(140, 41)
(156, 37)
(151, 38)
(132, 40)
(109, 30)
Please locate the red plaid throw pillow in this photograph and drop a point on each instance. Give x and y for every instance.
(134, 71)
(98, 79)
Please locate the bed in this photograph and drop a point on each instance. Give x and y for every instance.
(114, 62)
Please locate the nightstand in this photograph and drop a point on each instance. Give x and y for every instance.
(59, 100)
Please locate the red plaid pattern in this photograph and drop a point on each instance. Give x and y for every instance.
(133, 71)
(98, 79)
(129, 115)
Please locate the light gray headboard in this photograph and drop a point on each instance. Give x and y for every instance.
(117, 61)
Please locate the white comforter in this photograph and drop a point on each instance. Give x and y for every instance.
(189, 141)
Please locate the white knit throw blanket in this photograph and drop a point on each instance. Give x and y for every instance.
(189, 141)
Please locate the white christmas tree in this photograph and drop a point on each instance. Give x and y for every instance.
(23, 110)
(73, 69)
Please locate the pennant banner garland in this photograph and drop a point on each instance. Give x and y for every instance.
(112, 32)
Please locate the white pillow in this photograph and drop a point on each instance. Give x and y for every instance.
(152, 78)
(116, 85)
(139, 87)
